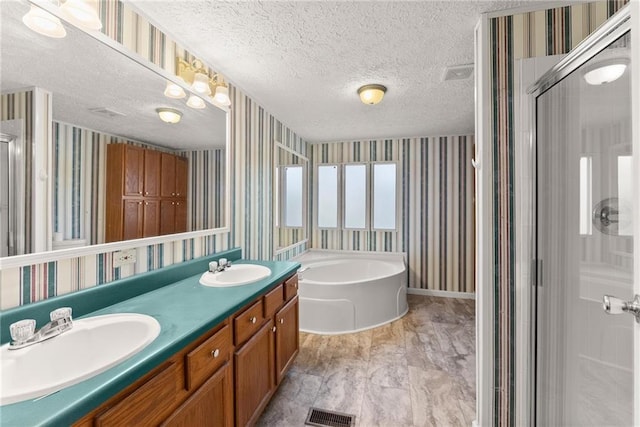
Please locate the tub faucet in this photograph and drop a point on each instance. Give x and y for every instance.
(23, 333)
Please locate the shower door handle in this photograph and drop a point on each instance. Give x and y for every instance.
(613, 305)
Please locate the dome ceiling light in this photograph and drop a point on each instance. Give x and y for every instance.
(169, 115)
(605, 71)
(372, 94)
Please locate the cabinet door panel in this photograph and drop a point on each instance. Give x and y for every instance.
(254, 375)
(132, 226)
(181, 216)
(151, 218)
(133, 170)
(151, 173)
(211, 405)
(168, 174)
(167, 217)
(287, 337)
(182, 176)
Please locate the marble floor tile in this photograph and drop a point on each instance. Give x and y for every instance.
(415, 371)
(386, 406)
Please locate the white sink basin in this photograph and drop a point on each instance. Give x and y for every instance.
(236, 275)
(92, 346)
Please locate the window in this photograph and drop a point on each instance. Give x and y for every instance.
(328, 196)
(384, 196)
(357, 196)
(293, 188)
(585, 195)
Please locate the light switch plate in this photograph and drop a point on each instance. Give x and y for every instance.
(125, 257)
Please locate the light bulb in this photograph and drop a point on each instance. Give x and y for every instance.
(196, 102)
(42, 22)
(201, 84)
(222, 96)
(83, 13)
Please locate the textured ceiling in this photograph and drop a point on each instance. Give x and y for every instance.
(83, 73)
(304, 61)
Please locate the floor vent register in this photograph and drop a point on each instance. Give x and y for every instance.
(322, 418)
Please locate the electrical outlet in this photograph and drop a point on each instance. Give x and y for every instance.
(121, 258)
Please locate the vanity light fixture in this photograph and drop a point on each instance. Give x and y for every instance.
(174, 91)
(196, 102)
(169, 115)
(83, 13)
(371, 94)
(222, 95)
(197, 75)
(42, 22)
(605, 71)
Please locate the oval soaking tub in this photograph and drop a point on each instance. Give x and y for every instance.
(345, 291)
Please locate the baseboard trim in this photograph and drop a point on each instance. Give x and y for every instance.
(443, 294)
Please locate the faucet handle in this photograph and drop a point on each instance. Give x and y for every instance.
(60, 313)
(22, 330)
(222, 262)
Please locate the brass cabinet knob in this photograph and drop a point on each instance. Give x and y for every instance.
(215, 353)
(281, 320)
(273, 329)
(253, 319)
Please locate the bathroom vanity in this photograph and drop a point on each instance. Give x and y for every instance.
(220, 355)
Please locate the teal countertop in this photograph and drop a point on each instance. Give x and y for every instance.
(185, 311)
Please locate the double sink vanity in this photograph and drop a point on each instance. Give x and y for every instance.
(219, 353)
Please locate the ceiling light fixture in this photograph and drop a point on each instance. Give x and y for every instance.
(169, 115)
(42, 22)
(83, 13)
(197, 75)
(605, 71)
(174, 90)
(196, 102)
(371, 94)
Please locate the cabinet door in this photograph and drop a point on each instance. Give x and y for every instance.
(182, 176)
(211, 405)
(151, 173)
(181, 216)
(132, 221)
(168, 175)
(151, 218)
(287, 337)
(254, 375)
(167, 217)
(133, 170)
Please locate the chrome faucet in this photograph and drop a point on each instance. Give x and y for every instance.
(217, 266)
(23, 333)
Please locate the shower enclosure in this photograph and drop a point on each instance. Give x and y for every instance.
(583, 244)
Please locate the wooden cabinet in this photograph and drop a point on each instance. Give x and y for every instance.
(254, 375)
(287, 337)
(224, 378)
(138, 175)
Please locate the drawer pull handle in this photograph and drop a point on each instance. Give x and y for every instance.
(253, 319)
(273, 329)
(215, 353)
(281, 321)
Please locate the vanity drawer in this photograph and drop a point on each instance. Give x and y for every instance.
(247, 323)
(273, 301)
(205, 359)
(291, 287)
(149, 404)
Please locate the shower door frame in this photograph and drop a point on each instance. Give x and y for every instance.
(616, 26)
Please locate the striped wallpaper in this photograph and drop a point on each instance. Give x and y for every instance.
(435, 217)
(253, 135)
(526, 35)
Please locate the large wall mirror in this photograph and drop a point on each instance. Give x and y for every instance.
(290, 197)
(65, 103)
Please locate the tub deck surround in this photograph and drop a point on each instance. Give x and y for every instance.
(348, 291)
(185, 310)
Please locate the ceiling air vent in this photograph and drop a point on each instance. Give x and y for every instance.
(106, 112)
(457, 72)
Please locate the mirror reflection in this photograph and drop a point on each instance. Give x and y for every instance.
(86, 158)
(290, 197)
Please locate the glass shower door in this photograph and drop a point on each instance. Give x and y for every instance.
(584, 356)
